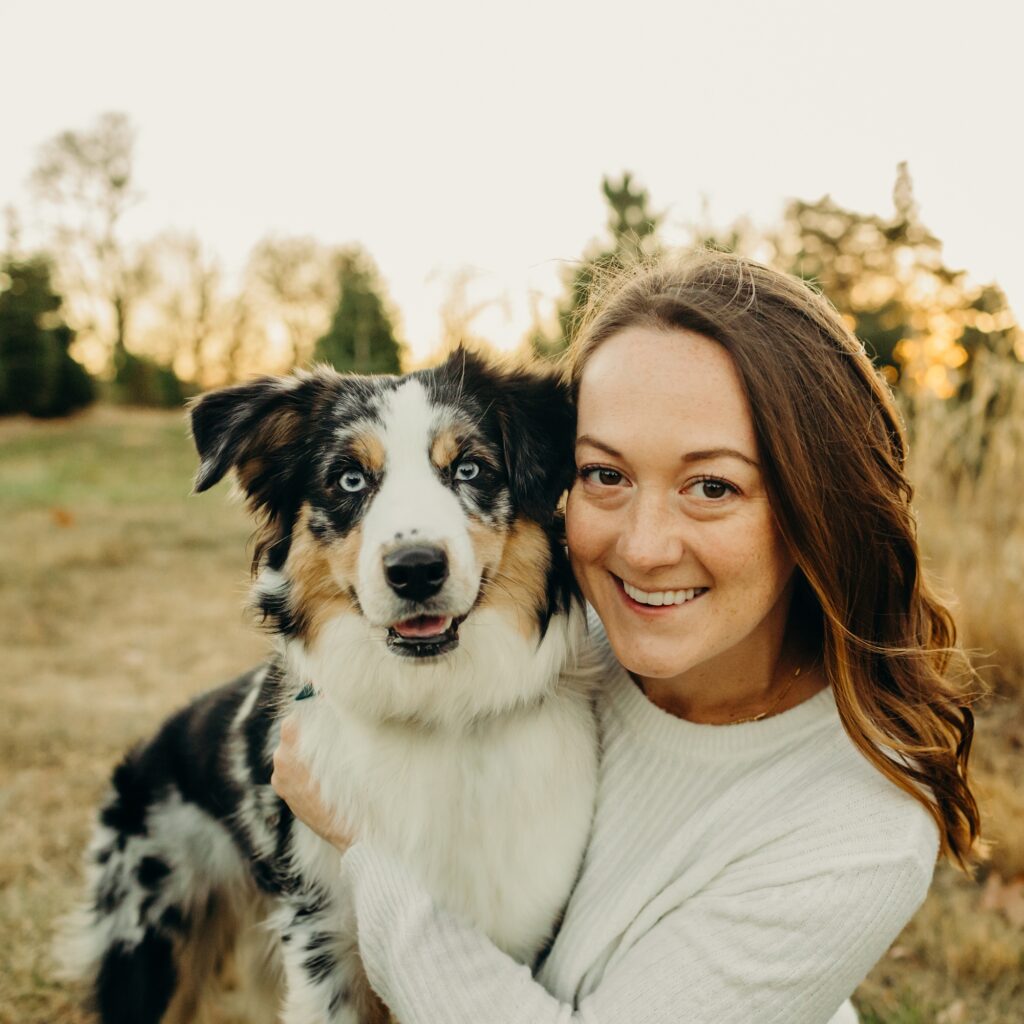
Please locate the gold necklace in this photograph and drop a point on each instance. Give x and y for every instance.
(768, 712)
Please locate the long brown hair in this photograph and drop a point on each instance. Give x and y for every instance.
(833, 452)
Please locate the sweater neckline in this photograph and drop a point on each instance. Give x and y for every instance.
(653, 725)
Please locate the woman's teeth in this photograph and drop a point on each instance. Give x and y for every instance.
(662, 597)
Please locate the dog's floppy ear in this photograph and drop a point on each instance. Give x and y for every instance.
(537, 419)
(250, 428)
(261, 430)
(539, 431)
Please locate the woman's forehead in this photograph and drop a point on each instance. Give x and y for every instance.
(670, 387)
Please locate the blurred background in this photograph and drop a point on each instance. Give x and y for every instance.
(197, 193)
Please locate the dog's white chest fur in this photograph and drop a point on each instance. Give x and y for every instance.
(492, 816)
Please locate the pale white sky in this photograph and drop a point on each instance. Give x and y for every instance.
(461, 133)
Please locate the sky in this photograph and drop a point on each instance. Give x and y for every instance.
(469, 136)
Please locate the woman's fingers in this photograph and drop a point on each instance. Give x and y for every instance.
(287, 765)
(293, 783)
(290, 729)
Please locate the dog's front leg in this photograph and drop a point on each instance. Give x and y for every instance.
(325, 980)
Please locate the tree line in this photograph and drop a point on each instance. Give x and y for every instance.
(154, 322)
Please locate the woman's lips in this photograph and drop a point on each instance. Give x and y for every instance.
(668, 600)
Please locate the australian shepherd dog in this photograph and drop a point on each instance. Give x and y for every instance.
(409, 563)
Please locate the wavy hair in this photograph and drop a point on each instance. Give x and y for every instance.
(833, 451)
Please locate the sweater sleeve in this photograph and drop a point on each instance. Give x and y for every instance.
(785, 953)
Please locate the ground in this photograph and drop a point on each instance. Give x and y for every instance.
(121, 595)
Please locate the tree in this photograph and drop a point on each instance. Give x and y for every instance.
(633, 228)
(85, 179)
(37, 373)
(294, 281)
(361, 337)
(922, 322)
(244, 342)
(191, 315)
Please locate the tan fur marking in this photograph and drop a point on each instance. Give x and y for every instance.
(320, 575)
(228, 969)
(488, 544)
(270, 434)
(344, 556)
(369, 449)
(518, 585)
(445, 448)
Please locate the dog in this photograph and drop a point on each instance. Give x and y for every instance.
(410, 566)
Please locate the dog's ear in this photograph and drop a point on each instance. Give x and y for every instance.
(252, 428)
(261, 430)
(537, 419)
(539, 432)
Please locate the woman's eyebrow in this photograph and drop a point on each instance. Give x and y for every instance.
(714, 453)
(594, 443)
(698, 456)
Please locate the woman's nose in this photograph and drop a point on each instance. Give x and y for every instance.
(651, 537)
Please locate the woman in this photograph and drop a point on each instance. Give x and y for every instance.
(783, 754)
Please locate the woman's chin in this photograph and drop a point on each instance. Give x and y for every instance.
(645, 663)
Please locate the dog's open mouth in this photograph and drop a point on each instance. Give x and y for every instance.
(424, 636)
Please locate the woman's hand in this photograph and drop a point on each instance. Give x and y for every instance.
(299, 790)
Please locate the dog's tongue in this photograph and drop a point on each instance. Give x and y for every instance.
(422, 626)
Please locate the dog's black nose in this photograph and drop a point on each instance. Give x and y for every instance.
(416, 572)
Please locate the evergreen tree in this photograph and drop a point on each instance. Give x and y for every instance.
(633, 228)
(361, 338)
(38, 375)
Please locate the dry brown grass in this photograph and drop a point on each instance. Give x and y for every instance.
(967, 463)
(121, 596)
(961, 960)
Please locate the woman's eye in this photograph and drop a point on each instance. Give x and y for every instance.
(467, 470)
(601, 475)
(713, 489)
(353, 481)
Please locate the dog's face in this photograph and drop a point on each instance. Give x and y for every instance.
(409, 503)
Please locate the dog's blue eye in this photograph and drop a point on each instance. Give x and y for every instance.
(466, 470)
(352, 480)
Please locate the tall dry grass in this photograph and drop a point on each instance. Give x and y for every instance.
(967, 464)
(961, 959)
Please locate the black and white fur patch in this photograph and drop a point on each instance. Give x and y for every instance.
(410, 566)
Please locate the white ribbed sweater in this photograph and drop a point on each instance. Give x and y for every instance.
(743, 873)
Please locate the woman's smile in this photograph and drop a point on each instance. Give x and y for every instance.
(651, 601)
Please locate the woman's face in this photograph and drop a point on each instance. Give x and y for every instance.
(669, 527)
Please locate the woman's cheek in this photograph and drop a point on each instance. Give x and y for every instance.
(578, 525)
(580, 533)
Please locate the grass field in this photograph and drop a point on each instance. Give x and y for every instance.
(121, 595)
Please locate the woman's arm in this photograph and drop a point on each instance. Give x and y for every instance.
(788, 953)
